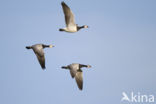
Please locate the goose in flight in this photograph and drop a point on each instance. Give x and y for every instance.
(70, 21)
(38, 50)
(76, 72)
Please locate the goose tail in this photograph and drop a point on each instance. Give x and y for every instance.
(28, 47)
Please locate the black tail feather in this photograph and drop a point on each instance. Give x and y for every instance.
(64, 67)
(61, 29)
(28, 47)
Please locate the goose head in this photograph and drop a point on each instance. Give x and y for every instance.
(89, 66)
(50, 46)
(85, 26)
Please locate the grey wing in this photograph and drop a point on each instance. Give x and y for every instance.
(69, 17)
(38, 49)
(40, 56)
(41, 60)
(73, 73)
(79, 79)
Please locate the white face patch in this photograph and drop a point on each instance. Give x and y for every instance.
(89, 66)
(50, 46)
(85, 26)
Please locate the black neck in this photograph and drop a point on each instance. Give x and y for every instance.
(44, 46)
(79, 27)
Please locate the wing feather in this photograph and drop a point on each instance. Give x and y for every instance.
(79, 79)
(69, 16)
(41, 60)
(38, 50)
(73, 73)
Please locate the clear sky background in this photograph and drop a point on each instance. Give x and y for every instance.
(120, 45)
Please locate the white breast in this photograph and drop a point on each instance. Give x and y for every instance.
(71, 29)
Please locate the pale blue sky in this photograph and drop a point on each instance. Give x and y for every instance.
(120, 45)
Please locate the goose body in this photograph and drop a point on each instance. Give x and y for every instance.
(39, 52)
(76, 72)
(71, 26)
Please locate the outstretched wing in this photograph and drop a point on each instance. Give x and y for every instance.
(41, 60)
(79, 79)
(69, 16)
(73, 73)
(38, 50)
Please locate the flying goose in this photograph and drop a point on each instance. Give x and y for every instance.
(38, 50)
(69, 19)
(76, 72)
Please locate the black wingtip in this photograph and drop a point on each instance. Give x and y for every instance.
(43, 68)
(62, 2)
(81, 89)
